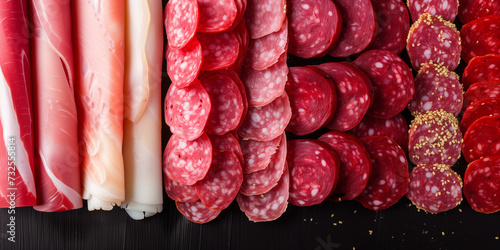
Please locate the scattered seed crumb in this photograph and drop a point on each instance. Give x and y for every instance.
(332, 215)
(452, 232)
(442, 233)
(353, 248)
(370, 232)
(305, 220)
(392, 236)
(340, 222)
(335, 223)
(496, 238)
(355, 211)
(460, 210)
(311, 219)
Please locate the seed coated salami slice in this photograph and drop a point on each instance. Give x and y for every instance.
(435, 137)
(393, 25)
(267, 122)
(470, 10)
(481, 184)
(312, 98)
(187, 161)
(481, 68)
(257, 154)
(359, 27)
(483, 107)
(262, 181)
(436, 88)
(181, 21)
(447, 9)
(481, 37)
(242, 35)
(265, 51)
(227, 142)
(481, 90)
(391, 79)
(264, 17)
(220, 50)
(184, 64)
(216, 15)
(482, 138)
(389, 179)
(197, 212)
(434, 188)
(268, 206)
(355, 164)
(314, 27)
(354, 94)
(314, 171)
(180, 192)
(433, 39)
(187, 110)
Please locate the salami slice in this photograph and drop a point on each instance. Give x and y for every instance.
(187, 110)
(355, 164)
(433, 39)
(312, 98)
(197, 212)
(481, 189)
(262, 181)
(227, 142)
(481, 68)
(434, 188)
(241, 6)
(482, 138)
(242, 35)
(180, 192)
(481, 90)
(216, 16)
(181, 21)
(220, 50)
(481, 37)
(354, 94)
(483, 107)
(393, 25)
(187, 161)
(265, 51)
(184, 64)
(314, 27)
(389, 179)
(267, 122)
(314, 171)
(436, 88)
(470, 10)
(435, 138)
(257, 154)
(391, 79)
(264, 16)
(268, 206)
(447, 9)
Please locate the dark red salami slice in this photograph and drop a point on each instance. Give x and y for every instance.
(181, 21)
(481, 90)
(216, 16)
(197, 212)
(470, 10)
(227, 142)
(184, 64)
(242, 35)
(262, 181)
(481, 68)
(314, 27)
(482, 138)
(355, 164)
(220, 50)
(314, 171)
(389, 179)
(264, 16)
(434, 188)
(435, 138)
(483, 107)
(187, 110)
(265, 51)
(267, 122)
(433, 39)
(187, 161)
(257, 154)
(391, 79)
(312, 98)
(481, 189)
(393, 25)
(180, 192)
(481, 37)
(436, 88)
(359, 27)
(263, 86)
(447, 9)
(354, 94)
(268, 206)
(241, 6)
(395, 128)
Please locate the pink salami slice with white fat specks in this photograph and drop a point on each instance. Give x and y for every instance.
(181, 21)
(216, 15)
(268, 206)
(265, 51)
(436, 88)
(359, 27)
(481, 37)
(483, 107)
(262, 181)
(434, 188)
(447, 9)
(241, 6)
(180, 192)
(389, 179)
(481, 68)
(187, 110)
(227, 142)
(222, 182)
(263, 86)
(355, 164)
(267, 122)
(354, 94)
(242, 35)
(393, 25)
(482, 138)
(187, 161)
(481, 90)
(470, 10)
(481, 189)
(314, 27)
(391, 79)
(257, 154)
(220, 50)
(433, 39)
(264, 16)
(197, 212)
(184, 64)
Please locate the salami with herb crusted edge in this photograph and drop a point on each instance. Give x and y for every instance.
(181, 21)
(481, 189)
(482, 138)
(481, 37)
